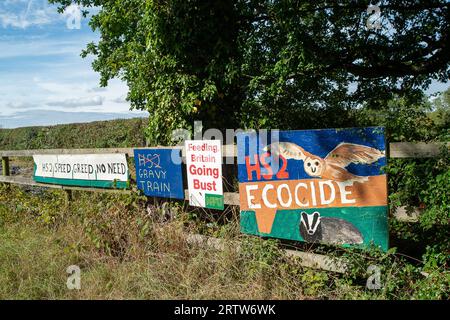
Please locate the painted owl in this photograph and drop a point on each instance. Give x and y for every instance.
(333, 165)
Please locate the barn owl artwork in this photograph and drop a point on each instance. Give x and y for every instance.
(316, 186)
(333, 166)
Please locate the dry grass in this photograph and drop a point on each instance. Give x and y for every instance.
(124, 254)
(127, 249)
(34, 260)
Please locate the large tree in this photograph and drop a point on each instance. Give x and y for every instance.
(273, 63)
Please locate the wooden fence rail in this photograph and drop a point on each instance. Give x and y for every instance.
(404, 214)
(396, 150)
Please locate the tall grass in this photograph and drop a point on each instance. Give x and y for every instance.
(127, 248)
(123, 253)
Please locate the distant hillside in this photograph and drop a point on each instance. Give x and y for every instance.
(99, 134)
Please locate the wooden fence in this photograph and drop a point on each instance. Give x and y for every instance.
(396, 150)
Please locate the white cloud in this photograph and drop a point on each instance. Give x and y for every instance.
(77, 102)
(41, 47)
(62, 88)
(58, 91)
(23, 105)
(121, 99)
(22, 14)
(98, 89)
(41, 70)
(26, 13)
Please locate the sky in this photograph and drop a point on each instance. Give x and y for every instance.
(43, 79)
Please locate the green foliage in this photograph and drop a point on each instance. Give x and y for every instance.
(441, 112)
(420, 183)
(423, 184)
(416, 183)
(114, 222)
(260, 254)
(406, 118)
(46, 208)
(100, 134)
(284, 64)
(314, 283)
(28, 270)
(399, 278)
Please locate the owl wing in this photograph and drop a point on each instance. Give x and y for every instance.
(337, 173)
(288, 150)
(346, 153)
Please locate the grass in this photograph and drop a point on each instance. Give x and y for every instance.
(155, 263)
(127, 249)
(34, 259)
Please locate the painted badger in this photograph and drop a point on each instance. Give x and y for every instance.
(314, 228)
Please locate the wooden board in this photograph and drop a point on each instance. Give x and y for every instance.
(307, 259)
(159, 172)
(90, 170)
(315, 185)
(204, 173)
(415, 149)
(30, 182)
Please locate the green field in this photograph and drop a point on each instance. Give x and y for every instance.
(99, 134)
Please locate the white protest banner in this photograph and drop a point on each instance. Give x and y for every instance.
(204, 173)
(91, 170)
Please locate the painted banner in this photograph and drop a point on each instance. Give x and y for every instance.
(322, 186)
(204, 173)
(88, 170)
(158, 172)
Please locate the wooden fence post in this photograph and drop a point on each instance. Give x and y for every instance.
(5, 170)
(68, 197)
(5, 166)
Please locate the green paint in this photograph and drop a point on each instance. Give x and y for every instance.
(84, 183)
(370, 221)
(214, 201)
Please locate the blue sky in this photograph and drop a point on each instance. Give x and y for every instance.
(43, 79)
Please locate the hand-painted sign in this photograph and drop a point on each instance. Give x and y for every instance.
(89, 170)
(204, 173)
(158, 172)
(315, 186)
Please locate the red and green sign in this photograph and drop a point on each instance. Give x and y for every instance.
(204, 173)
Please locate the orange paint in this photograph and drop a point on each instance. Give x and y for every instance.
(265, 198)
(264, 219)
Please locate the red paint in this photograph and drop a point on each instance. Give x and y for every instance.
(262, 160)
